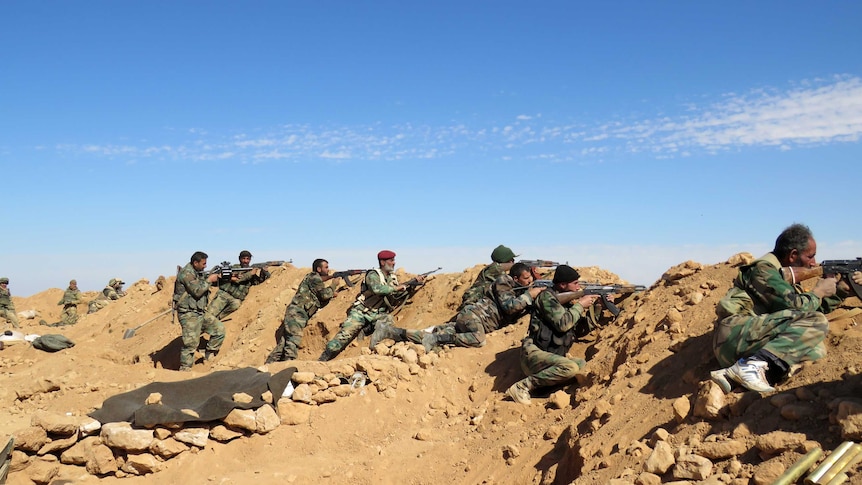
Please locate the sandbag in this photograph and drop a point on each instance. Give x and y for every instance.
(52, 342)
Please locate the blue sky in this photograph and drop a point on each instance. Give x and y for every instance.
(628, 135)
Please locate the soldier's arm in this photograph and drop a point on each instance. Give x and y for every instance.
(560, 318)
(510, 303)
(323, 292)
(196, 287)
(775, 293)
(372, 281)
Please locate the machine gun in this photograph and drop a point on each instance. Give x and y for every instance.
(539, 263)
(226, 271)
(593, 289)
(344, 275)
(414, 282)
(843, 267)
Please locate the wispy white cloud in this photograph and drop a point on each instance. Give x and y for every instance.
(808, 113)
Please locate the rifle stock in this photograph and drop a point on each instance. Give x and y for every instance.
(843, 267)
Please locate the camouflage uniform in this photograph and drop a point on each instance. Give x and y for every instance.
(230, 295)
(191, 294)
(553, 329)
(70, 301)
(110, 292)
(311, 296)
(483, 282)
(376, 299)
(501, 307)
(762, 311)
(7, 308)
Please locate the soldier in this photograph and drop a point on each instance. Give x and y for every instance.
(7, 308)
(509, 299)
(379, 295)
(70, 301)
(192, 294)
(311, 296)
(766, 325)
(554, 326)
(231, 294)
(113, 291)
(503, 258)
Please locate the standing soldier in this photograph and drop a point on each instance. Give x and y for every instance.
(379, 295)
(7, 308)
(192, 295)
(113, 291)
(231, 294)
(70, 301)
(311, 296)
(554, 326)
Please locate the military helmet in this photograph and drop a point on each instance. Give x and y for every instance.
(112, 282)
(4, 280)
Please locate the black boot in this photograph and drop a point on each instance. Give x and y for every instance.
(328, 355)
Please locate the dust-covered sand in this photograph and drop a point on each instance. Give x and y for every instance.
(644, 392)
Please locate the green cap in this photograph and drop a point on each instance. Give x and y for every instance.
(4, 280)
(502, 254)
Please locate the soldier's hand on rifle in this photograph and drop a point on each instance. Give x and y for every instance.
(334, 285)
(212, 278)
(420, 279)
(857, 277)
(825, 287)
(587, 301)
(534, 292)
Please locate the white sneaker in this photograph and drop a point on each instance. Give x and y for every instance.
(751, 374)
(720, 377)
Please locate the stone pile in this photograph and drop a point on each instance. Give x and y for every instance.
(119, 449)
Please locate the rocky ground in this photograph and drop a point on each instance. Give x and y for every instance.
(642, 412)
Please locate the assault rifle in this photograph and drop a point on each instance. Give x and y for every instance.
(593, 289)
(539, 263)
(414, 282)
(843, 267)
(344, 275)
(226, 271)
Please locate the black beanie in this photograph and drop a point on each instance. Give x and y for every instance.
(565, 274)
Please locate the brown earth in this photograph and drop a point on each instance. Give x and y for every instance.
(448, 422)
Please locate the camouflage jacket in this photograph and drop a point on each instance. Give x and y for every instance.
(505, 303)
(378, 292)
(312, 294)
(192, 290)
(479, 288)
(110, 293)
(554, 326)
(71, 297)
(245, 281)
(759, 289)
(6, 299)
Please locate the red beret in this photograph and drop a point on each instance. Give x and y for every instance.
(385, 254)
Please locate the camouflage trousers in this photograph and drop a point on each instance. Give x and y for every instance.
(10, 316)
(357, 320)
(793, 336)
(295, 321)
(97, 305)
(223, 305)
(69, 315)
(194, 324)
(544, 369)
